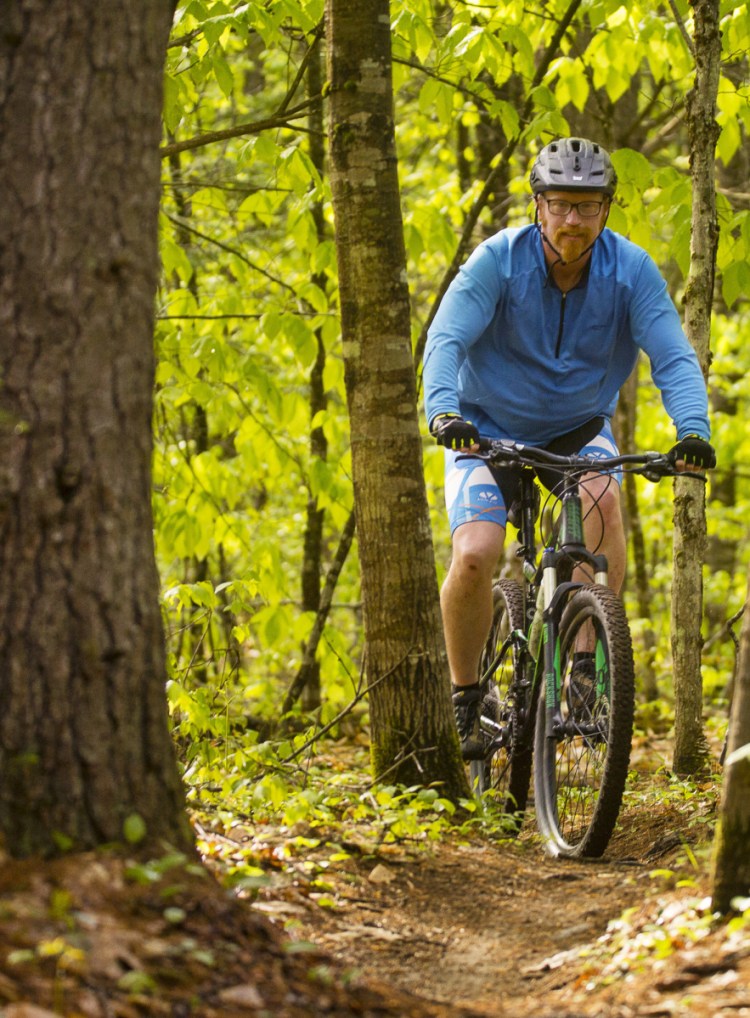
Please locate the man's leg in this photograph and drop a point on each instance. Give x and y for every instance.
(603, 527)
(476, 508)
(466, 601)
(600, 498)
(466, 597)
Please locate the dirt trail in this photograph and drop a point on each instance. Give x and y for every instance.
(501, 929)
(466, 928)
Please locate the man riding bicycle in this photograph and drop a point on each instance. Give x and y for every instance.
(532, 342)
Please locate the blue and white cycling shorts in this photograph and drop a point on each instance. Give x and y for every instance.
(472, 491)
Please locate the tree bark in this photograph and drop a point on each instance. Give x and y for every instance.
(731, 858)
(691, 749)
(312, 564)
(414, 737)
(84, 739)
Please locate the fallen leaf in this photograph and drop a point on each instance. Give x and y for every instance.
(244, 995)
(381, 875)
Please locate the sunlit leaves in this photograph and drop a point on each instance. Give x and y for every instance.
(249, 301)
(572, 84)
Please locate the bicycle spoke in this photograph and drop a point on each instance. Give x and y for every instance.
(581, 772)
(505, 773)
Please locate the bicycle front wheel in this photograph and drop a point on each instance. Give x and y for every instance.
(506, 769)
(581, 760)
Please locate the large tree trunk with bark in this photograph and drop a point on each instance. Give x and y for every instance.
(731, 860)
(414, 738)
(691, 750)
(84, 740)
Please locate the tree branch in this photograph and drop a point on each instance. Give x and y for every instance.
(321, 617)
(683, 30)
(299, 76)
(183, 225)
(278, 120)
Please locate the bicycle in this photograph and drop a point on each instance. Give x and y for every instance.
(557, 672)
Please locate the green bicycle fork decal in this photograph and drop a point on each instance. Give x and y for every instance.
(572, 528)
(602, 670)
(552, 679)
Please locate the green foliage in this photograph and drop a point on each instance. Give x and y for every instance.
(282, 804)
(134, 829)
(634, 939)
(247, 312)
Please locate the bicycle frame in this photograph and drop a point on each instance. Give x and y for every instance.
(543, 593)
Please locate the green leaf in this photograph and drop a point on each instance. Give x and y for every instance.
(223, 72)
(632, 167)
(134, 829)
(137, 982)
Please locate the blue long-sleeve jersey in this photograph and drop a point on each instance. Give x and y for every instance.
(522, 360)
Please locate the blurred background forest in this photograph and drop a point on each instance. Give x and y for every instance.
(253, 496)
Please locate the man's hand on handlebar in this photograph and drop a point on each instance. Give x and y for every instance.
(693, 453)
(452, 431)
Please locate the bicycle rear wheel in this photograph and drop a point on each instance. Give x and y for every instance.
(506, 770)
(580, 772)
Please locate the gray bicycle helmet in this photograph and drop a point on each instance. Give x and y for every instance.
(573, 164)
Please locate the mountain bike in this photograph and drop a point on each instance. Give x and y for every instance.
(557, 673)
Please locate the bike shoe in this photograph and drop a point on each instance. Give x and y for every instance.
(467, 705)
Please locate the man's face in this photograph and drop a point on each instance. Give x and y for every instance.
(571, 232)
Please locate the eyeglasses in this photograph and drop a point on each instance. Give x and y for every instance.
(585, 209)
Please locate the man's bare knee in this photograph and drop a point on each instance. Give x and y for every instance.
(476, 549)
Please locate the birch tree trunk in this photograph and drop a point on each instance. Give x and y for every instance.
(731, 858)
(84, 741)
(691, 749)
(414, 737)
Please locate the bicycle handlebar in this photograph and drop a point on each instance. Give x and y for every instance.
(651, 465)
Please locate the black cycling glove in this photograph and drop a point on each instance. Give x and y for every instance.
(452, 431)
(695, 451)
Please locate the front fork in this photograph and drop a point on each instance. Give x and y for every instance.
(551, 599)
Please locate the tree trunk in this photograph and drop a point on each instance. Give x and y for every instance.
(312, 565)
(414, 737)
(722, 553)
(84, 740)
(731, 859)
(691, 750)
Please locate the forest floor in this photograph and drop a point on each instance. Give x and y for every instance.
(348, 924)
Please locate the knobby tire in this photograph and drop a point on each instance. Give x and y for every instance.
(579, 777)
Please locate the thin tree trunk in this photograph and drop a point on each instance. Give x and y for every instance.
(324, 606)
(691, 749)
(312, 567)
(84, 740)
(194, 437)
(414, 737)
(722, 553)
(731, 858)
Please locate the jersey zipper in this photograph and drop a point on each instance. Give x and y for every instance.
(560, 327)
